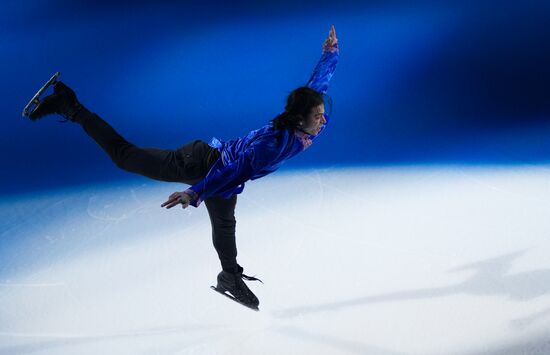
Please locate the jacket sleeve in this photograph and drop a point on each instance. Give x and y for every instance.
(248, 163)
(321, 75)
(324, 69)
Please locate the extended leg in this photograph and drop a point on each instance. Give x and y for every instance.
(181, 165)
(154, 163)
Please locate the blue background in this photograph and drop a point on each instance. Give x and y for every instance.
(430, 82)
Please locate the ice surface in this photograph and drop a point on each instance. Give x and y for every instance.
(411, 260)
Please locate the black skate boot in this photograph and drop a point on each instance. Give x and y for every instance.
(63, 102)
(233, 286)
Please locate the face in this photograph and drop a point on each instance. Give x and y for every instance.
(315, 120)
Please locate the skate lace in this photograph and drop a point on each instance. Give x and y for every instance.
(250, 278)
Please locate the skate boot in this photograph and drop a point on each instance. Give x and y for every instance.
(233, 286)
(63, 102)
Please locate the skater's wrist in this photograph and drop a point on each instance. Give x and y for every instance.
(194, 197)
(330, 47)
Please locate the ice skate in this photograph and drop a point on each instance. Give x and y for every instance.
(63, 102)
(232, 286)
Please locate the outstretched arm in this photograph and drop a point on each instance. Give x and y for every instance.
(233, 175)
(327, 64)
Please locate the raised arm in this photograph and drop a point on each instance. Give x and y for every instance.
(327, 64)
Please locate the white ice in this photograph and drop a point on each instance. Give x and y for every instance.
(409, 260)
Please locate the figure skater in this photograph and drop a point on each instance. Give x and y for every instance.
(217, 171)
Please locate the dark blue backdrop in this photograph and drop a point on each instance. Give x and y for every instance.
(459, 82)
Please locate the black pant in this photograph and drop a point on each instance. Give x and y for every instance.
(188, 164)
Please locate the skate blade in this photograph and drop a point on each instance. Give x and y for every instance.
(254, 308)
(31, 106)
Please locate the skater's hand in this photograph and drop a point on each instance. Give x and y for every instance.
(177, 198)
(331, 40)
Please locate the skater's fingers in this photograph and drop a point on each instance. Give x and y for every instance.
(166, 202)
(171, 200)
(331, 39)
(332, 32)
(172, 204)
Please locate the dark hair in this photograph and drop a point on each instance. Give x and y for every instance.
(299, 104)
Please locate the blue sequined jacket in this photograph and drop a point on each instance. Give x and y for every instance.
(261, 151)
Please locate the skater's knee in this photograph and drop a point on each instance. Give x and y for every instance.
(119, 160)
(120, 163)
(225, 228)
(224, 223)
(128, 165)
(122, 158)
